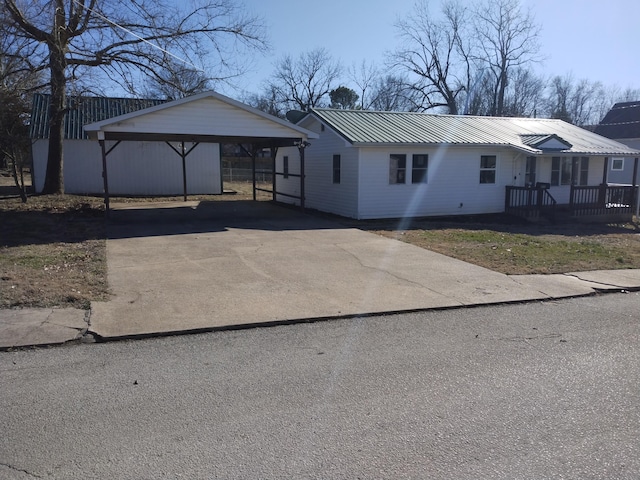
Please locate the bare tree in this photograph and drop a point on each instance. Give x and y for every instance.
(305, 82)
(524, 95)
(19, 78)
(267, 101)
(434, 51)
(394, 94)
(364, 77)
(575, 101)
(176, 81)
(124, 38)
(507, 39)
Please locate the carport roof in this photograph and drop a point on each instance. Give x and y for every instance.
(205, 117)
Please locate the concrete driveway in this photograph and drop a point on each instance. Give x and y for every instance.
(196, 266)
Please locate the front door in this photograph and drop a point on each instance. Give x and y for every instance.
(530, 172)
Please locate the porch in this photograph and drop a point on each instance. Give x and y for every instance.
(601, 203)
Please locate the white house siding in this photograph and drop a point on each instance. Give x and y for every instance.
(626, 175)
(453, 186)
(134, 168)
(320, 191)
(291, 184)
(201, 118)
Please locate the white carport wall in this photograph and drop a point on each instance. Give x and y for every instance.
(206, 117)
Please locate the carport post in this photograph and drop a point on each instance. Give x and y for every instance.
(253, 170)
(274, 152)
(184, 171)
(183, 155)
(301, 146)
(634, 182)
(105, 179)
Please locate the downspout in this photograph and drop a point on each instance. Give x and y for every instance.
(634, 183)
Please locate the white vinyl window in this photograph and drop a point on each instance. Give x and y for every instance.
(488, 169)
(617, 164)
(397, 169)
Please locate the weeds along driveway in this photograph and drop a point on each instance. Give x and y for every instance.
(189, 266)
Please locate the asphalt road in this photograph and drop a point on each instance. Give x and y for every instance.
(537, 391)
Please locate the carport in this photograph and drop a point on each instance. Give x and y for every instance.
(207, 117)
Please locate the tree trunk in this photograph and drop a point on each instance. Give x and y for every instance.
(53, 181)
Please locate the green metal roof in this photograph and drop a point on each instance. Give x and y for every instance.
(82, 111)
(369, 128)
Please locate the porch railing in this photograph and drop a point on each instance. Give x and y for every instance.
(529, 202)
(603, 200)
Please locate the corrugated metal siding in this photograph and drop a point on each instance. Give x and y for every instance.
(81, 111)
(135, 168)
(371, 128)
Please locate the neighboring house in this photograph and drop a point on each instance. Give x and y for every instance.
(622, 123)
(368, 165)
(136, 167)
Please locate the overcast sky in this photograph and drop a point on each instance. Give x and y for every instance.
(593, 39)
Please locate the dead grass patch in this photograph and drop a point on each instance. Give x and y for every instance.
(523, 248)
(53, 248)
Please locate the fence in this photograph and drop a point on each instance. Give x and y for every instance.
(603, 200)
(232, 174)
(529, 202)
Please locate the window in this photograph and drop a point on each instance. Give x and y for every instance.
(285, 167)
(397, 168)
(488, 169)
(419, 169)
(336, 169)
(583, 177)
(561, 171)
(617, 163)
(565, 171)
(530, 171)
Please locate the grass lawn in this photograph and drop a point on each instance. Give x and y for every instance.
(53, 248)
(527, 249)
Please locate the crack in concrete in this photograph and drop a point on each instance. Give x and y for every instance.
(397, 277)
(594, 281)
(16, 469)
(546, 295)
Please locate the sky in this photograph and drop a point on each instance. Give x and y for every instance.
(593, 39)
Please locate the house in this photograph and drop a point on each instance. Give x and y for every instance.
(156, 169)
(368, 165)
(622, 123)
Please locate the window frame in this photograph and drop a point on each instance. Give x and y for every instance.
(562, 175)
(337, 169)
(613, 163)
(530, 170)
(491, 180)
(398, 173)
(423, 171)
(582, 176)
